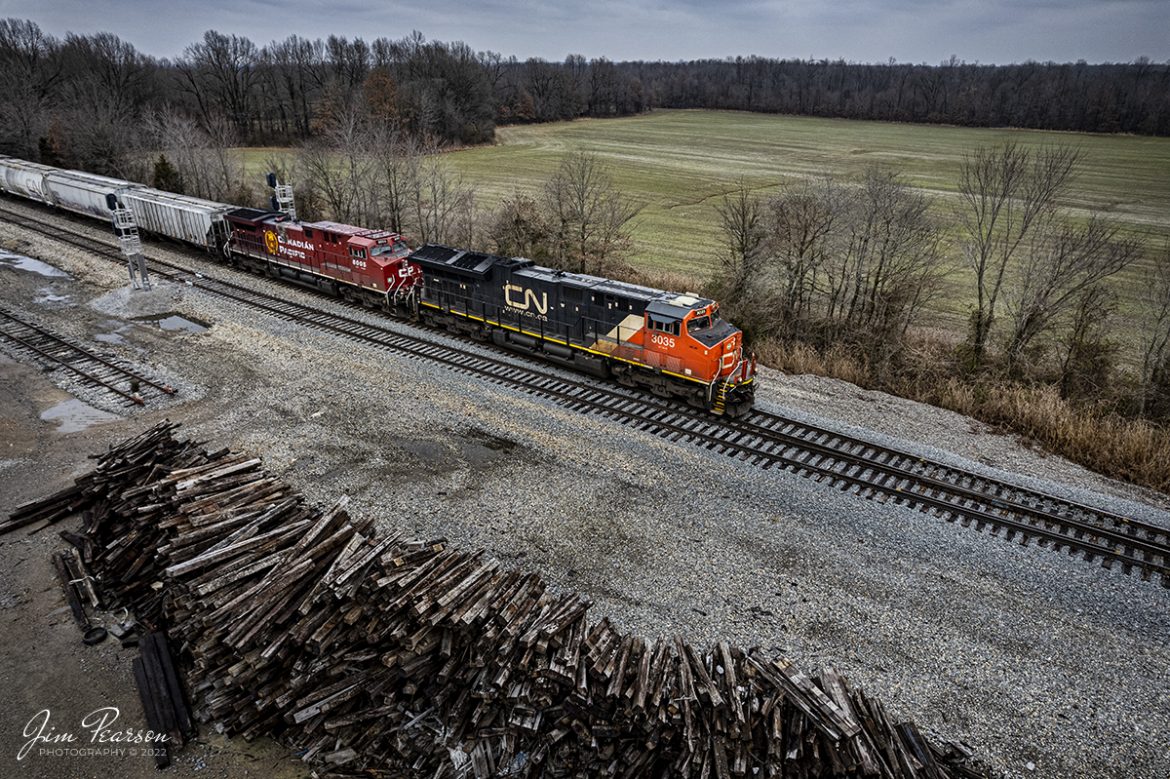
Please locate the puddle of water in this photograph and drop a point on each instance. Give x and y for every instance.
(47, 296)
(20, 262)
(116, 328)
(482, 448)
(73, 416)
(172, 322)
(110, 338)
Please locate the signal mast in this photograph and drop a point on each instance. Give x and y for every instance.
(282, 197)
(126, 229)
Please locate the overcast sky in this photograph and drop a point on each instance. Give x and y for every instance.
(993, 31)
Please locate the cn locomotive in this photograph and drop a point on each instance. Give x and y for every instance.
(674, 345)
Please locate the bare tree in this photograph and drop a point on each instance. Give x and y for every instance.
(1063, 265)
(741, 218)
(295, 69)
(1088, 356)
(30, 70)
(589, 216)
(108, 81)
(885, 261)
(372, 174)
(800, 221)
(207, 160)
(1155, 369)
(226, 163)
(221, 73)
(99, 137)
(467, 226)
(1007, 193)
(441, 206)
(108, 66)
(339, 165)
(519, 228)
(396, 158)
(349, 63)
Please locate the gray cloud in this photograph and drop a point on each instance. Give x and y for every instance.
(858, 30)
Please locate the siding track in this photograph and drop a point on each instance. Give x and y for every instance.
(58, 353)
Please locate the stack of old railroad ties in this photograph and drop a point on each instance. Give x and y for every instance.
(382, 656)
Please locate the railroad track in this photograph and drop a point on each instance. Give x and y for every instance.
(764, 439)
(1016, 512)
(58, 353)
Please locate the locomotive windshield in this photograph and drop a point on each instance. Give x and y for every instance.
(396, 249)
(709, 330)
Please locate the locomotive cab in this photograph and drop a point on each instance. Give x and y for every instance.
(381, 243)
(688, 337)
(685, 335)
(381, 255)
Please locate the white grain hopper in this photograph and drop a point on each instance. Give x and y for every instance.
(23, 178)
(84, 193)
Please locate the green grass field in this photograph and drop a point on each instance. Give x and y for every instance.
(676, 164)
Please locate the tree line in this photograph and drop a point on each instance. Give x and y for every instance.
(1108, 98)
(83, 100)
(93, 101)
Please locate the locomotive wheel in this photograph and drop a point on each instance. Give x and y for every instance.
(622, 375)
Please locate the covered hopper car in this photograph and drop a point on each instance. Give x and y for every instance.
(178, 217)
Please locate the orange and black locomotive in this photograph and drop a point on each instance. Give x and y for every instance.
(672, 344)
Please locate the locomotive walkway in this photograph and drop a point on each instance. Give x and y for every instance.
(763, 439)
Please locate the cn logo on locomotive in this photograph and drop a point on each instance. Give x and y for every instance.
(530, 300)
(271, 243)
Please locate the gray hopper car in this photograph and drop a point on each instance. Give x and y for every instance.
(188, 219)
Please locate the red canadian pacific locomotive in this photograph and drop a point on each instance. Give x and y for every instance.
(353, 262)
(672, 344)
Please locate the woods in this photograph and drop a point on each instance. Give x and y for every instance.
(1109, 97)
(85, 101)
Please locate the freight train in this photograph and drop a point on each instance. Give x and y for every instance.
(674, 345)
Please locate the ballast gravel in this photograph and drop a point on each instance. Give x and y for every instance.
(1047, 665)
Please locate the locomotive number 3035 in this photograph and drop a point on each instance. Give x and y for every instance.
(662, 340)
